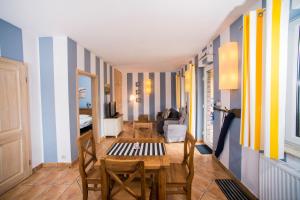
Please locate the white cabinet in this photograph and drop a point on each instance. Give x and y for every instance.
(113, 126)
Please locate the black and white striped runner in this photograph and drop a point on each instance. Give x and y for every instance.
(146, 149)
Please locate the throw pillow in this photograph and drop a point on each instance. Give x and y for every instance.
(166, 113)
(174, 114)
(181, 120)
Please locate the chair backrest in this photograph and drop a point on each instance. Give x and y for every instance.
(115, 170)
(188, 159)
(143, 118)
(86, 153)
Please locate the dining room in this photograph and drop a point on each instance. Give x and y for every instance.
(140, 99)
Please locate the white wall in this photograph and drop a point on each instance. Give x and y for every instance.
(61, 95)
(30, 52)
(225, 101)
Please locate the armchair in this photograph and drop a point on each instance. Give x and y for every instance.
(174, 131)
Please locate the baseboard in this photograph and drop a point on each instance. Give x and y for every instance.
(50, 164)
(54, 164)
(38, 167)
(237, 181)
(200, 141)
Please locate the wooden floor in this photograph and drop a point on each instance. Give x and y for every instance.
(64, 183)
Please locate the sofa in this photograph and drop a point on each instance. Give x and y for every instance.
(174, 126)
(168, 114)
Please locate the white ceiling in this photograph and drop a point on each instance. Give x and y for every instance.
(148, 35)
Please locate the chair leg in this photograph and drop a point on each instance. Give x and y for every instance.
(189, 192)
(84, 190)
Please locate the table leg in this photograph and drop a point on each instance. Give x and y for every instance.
(104, 186)
(162, 184)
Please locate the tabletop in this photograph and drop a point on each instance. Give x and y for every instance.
(152, 161)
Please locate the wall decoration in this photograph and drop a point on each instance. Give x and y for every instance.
(137, 92)
(107, 89)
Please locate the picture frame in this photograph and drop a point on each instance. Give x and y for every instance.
(137, 92)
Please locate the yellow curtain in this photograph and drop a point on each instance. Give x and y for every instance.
(189, 89)
(252, 80)
(178, 94)
(263, 127)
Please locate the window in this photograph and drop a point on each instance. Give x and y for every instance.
(292, 134)
(298, 88)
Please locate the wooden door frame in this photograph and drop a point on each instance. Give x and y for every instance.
(94, 94)
(206, 69)
(25, 115)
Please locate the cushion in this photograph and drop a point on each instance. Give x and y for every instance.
(181, 119)
(166, 113)
(173, 114)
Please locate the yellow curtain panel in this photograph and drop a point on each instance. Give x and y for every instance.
(190, 90)
(178, 93)
(264, 83)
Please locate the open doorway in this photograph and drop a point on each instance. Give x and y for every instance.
(87, 103)
(208, 105)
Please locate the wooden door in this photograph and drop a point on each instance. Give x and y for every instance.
(118, 90)
(14, 137)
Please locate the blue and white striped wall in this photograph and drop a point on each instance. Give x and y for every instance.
(60, 57)
(108, 75)
(163, 94)
(237, 159)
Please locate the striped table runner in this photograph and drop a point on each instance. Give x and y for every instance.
(146, 149)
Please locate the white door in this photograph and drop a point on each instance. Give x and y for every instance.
(14, 139)
(208, 105)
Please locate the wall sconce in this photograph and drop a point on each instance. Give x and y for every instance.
(132, 97)
(228, 66)
(148, 86)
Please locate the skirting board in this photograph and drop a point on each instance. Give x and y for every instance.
(44, 165)
(237, 181)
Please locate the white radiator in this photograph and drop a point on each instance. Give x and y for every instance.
(278, 180)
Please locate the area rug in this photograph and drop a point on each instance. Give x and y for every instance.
(231, 189)
(204, 149)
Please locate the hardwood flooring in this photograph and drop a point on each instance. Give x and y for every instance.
(63, 183)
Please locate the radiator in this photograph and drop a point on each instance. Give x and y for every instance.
(278, 180)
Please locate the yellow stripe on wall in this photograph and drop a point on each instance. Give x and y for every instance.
(245, 75)
(259, 67)
(275, 53)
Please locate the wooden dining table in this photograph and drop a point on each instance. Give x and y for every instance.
(157, 164)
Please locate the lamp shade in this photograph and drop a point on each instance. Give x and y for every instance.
(148, 86)
(228, 66)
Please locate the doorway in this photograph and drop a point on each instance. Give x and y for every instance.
(87, 103)
(208, 105)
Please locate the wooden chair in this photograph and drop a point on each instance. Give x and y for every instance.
(89, 172)
(124, 179)
(180, 175)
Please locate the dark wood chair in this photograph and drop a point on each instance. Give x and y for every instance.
(124, 179)
(180, 175)
(88, 169)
